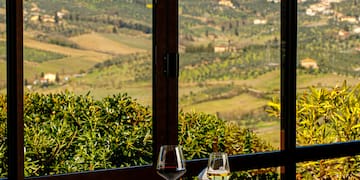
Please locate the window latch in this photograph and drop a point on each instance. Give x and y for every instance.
(171, 65)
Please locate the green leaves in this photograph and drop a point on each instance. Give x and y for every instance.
(201, 133)
(327, 116)
(67, 133)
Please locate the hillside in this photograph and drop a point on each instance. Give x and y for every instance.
(229, 51)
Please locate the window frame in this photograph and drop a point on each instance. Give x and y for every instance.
(165, 103)
(15, 89)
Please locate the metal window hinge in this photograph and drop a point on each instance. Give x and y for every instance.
(171, 65)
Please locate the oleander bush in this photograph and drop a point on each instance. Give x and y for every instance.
(67, 133)
(327, 116)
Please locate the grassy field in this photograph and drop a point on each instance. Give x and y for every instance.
(74, 61)
(92, 55)
(239, 104)
(324, 80)
(139, 42)
(66, 61)
(99, 43)
(2, 74)
(95, 48)
(143, 94)
(269, 131)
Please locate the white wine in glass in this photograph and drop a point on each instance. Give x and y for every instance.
(171, 162)
(218, 166)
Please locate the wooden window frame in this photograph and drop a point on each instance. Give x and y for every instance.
(165, 103)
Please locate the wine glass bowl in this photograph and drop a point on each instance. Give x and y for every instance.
(171, 162)
(218, 166)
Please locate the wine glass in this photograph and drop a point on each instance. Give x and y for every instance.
(218, 166)
(171, 162)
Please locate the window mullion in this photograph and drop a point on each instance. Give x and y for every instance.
(165, 103)
(172, 77)
(15, 121)
(288, 86)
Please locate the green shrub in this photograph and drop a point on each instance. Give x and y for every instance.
(327, 116)
(3, 138)
(201, 133)
(243, 141)
(68, 133)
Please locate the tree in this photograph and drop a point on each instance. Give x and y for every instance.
(40, 19)
(71, 17)
(57, 78)
(77, 17)
(56, 18)
(114, 30)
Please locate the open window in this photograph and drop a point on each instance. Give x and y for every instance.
(168, 33)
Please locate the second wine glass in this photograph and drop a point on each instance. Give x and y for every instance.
(171, 162)
(218, 166)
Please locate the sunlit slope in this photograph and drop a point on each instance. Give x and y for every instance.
(93, 56)
(98, 43)
(93, 48)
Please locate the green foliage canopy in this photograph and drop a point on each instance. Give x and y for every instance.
(327, 116)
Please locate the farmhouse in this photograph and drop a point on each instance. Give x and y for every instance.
(349, 19)
(34, 8)
(34, 18)
(224, 48)
(323, 7)
(227, 3)
(49, 77)
(219, 49)
(332, 1)
(310, 12)
(260, 21)
(309, 63)
(48, 18)
(356, 30)
(343, 33)
(273, 1)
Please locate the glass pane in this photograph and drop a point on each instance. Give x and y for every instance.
(339, 168)
(3, 106)
(328, 72)
(229, 72)
(88, 78)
